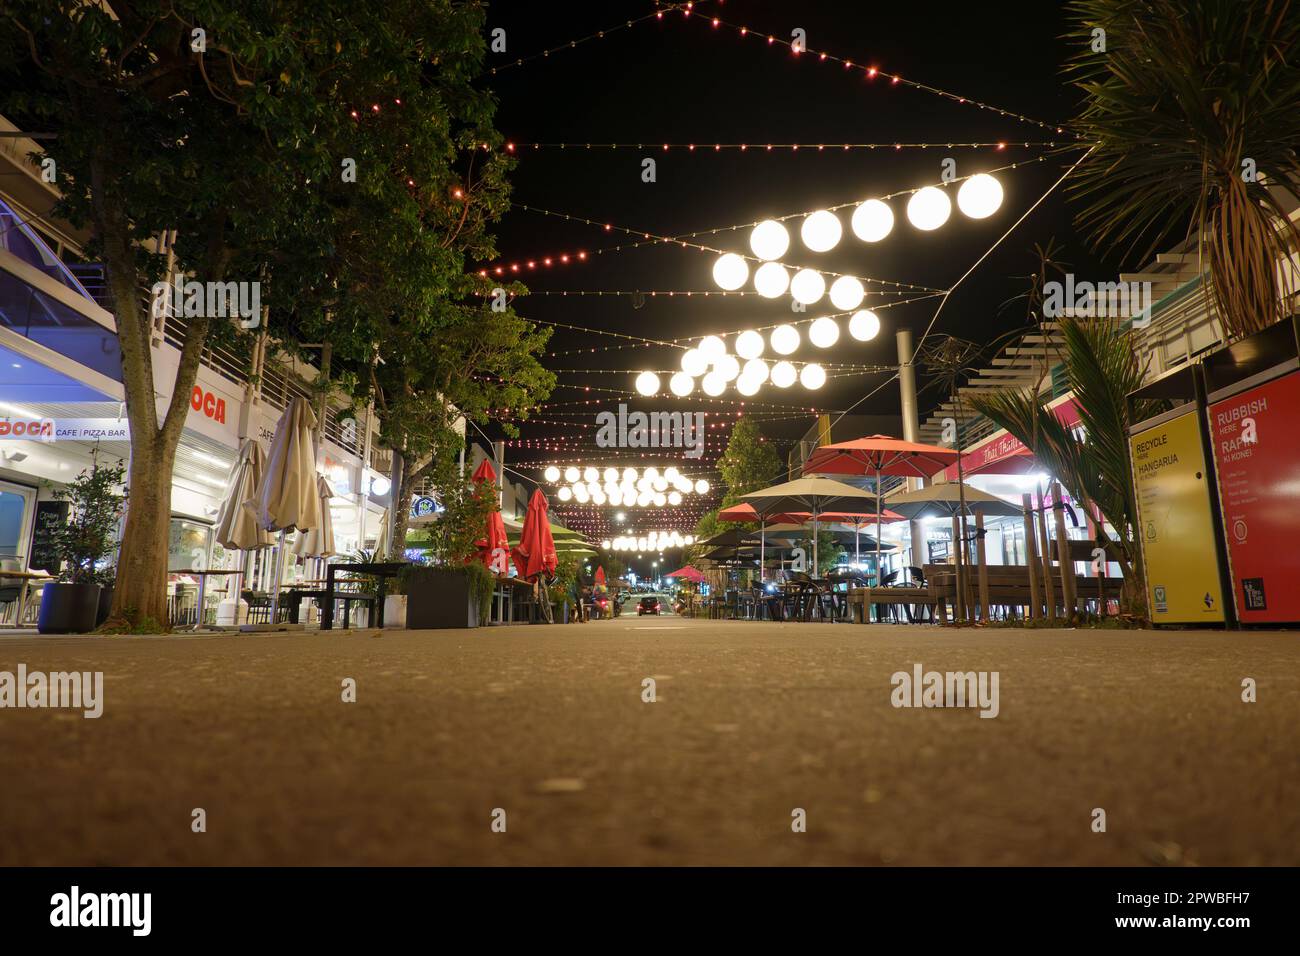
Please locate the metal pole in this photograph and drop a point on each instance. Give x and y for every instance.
(499, 451)
(911, 430)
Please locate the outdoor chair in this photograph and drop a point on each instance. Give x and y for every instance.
(259, 606)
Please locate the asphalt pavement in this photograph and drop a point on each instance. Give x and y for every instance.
(541, 745)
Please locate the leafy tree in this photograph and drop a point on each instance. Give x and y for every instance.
(340, 153)
(1194, 110)
(750, 463)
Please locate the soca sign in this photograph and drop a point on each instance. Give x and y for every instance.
(40, 429)
(208, 405)
(65, 429)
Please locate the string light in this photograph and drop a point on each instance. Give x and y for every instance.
(871, 72)
(597, 35)
(761, 148)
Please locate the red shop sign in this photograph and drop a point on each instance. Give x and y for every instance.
(1258, 464)
(207, 403)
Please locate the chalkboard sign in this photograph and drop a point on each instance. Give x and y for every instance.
(49, 515)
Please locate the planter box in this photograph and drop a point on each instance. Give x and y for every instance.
(105, 604)
(395, 610)
(438, 599)
(68, 608)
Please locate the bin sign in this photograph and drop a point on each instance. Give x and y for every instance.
(1258, 463)
(1175, 522)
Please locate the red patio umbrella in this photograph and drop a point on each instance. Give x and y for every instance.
(495, 542)
(878, 455)
(687, 573)
(535, 552)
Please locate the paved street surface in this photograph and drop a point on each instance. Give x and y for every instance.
(751, 722)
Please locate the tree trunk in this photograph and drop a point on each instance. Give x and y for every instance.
(140, 591)
(397, 516)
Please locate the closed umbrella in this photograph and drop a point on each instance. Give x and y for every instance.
(319, 541)
(813, 495)
(494, 546)
(879, 455)
(535, 553)
(237, 528)
(288, 498)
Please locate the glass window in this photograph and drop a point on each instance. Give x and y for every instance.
(15, 507)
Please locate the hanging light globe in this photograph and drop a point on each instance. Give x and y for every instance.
(821, 231)
(660, 499)
(674, 498)
(771, 280)
(872, 220)
(813, 376)
(681, 384)
(572, 474)
(748, 386)
(980, 196)
(864, 326)
(784, 339)
(807, 286)
(580, 494)
(660, 483)
(824, 332)
(615, 496)
(769, 240)
(694, 362)
(929, 208)
(755, 369)
(714, 384)
(783, 375)
(564, 494)
(647, 383)
(552, 474)
(610, 476)
(847, 293)
(604, 545)
(701, 487)
(711, 346)
(727, 367)
(749, 344)
(730, 271)
(590, 475)
(671, 473)
(598, 497)
(629, 475)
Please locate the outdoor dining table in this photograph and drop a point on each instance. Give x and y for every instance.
(27, 577)
(380, 570)
(203, 581)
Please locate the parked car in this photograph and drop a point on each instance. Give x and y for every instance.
(647, 605)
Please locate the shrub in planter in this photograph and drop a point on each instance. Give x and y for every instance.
(72, 605)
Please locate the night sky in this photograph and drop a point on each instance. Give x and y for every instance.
(681, 80)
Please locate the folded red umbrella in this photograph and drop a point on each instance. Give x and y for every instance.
(535, 552)
(494, 546)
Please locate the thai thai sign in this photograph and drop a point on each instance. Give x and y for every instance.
(1258, 464)
(1176, 524)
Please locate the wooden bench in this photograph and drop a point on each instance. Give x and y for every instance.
(1008, 586)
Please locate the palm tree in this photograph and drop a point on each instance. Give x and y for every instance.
(1194, 110)
(1101, 369)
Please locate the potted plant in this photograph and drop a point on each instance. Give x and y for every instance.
(72, 604)
(395, 600)
(454, 589)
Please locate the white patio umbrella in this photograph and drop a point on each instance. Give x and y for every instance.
(287, 498)
(237, 529)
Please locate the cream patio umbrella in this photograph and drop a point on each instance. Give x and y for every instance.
(237, 529)
(813, 495)
(288, 498)
(318, 542)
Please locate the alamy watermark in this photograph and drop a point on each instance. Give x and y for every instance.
(1098, 300)
(923, 688)
(626, 429)
(75, 690)
(208, 300)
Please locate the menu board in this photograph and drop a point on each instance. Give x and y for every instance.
(1176, 524)
(49, 515)
(1255, 452)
